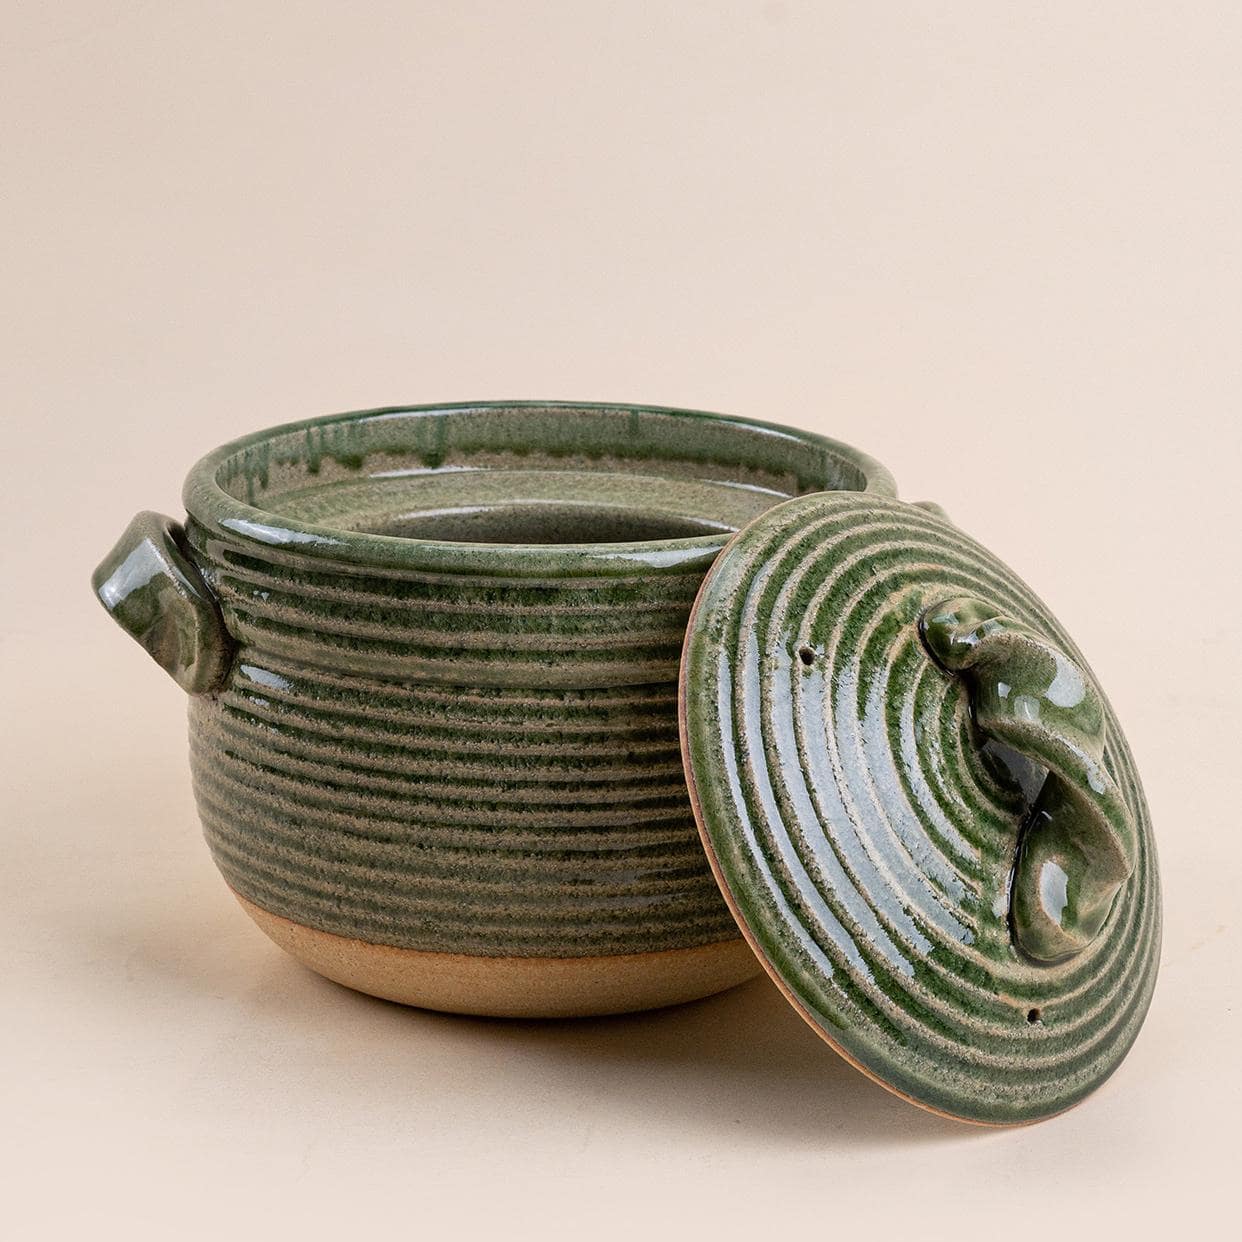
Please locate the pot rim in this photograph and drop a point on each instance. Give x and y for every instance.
(210, 505)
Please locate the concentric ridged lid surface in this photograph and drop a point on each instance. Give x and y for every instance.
(920, 807)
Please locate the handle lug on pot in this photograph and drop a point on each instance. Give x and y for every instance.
(156, 594)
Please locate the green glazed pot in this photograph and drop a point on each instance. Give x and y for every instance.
(432, 656)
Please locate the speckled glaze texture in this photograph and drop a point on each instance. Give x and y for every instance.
(893, 746)
(448, 717)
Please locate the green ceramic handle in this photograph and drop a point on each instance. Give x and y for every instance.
(1078, 846)
(156, 594)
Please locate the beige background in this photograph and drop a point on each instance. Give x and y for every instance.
(994, 244)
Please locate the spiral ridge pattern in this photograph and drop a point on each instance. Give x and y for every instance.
(483, 629)
(864, 833)
(546, 823)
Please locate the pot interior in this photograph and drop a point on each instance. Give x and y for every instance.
(530, 521)
(533, 474)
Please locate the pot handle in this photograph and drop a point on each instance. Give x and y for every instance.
(157, 594)
(1079, 844)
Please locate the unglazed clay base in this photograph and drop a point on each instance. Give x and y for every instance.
(514, 987)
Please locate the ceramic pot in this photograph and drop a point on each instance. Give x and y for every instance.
(432, 656)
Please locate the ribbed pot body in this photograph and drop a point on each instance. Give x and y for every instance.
(499, 820)
(450, 722)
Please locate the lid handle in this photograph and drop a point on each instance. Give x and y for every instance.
(1079, 843)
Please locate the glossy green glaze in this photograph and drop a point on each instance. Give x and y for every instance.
(1078, 846)
(865, 825)
(156, 594)
(449, 718)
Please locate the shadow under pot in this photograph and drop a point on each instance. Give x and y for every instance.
(432, 655)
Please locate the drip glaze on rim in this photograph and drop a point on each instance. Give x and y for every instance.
(221, 495)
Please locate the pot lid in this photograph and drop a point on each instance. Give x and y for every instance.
(920, 807)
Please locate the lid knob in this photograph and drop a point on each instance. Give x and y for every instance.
(1079, 844)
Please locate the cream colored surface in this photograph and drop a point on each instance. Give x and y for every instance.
(513, 987)
(996, 245)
